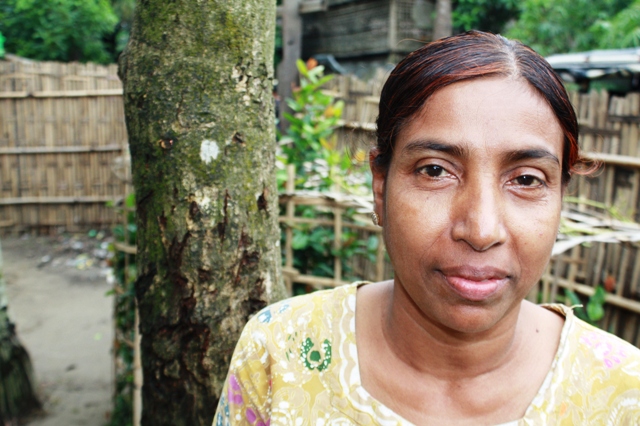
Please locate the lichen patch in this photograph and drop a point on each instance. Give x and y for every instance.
(209, 150)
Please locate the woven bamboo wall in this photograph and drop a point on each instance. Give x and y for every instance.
(609, 132)
(62, 132)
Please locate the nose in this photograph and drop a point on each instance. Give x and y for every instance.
(478, 216)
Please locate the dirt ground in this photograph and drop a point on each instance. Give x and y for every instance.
(57, 298)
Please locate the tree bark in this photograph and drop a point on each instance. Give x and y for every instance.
(198, 80)
(17, 395)
(443, 25)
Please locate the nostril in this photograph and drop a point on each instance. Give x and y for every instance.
(479, 223)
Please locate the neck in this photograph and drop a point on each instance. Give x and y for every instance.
(433, 349)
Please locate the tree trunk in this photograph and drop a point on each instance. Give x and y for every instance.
(198, 81)
(17, 395)
(443, 25)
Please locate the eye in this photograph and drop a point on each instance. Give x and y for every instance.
(433, 170)
(528, 180)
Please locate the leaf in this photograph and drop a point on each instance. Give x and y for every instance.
(595, 306)
(345, 161)
(324, 80)
(300, 240)
(595, 310)
(338, 108)
(573, 300)
(293, 120)
(599, 295)
(130, 201)
(302, 68)
(372, 243)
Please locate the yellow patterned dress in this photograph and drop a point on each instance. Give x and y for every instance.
(297, 364)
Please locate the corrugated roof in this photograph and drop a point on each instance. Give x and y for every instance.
(598, 63)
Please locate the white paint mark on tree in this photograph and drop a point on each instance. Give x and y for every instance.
(209, 151)
(268, 285)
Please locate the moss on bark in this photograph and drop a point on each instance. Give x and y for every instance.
(198, 101)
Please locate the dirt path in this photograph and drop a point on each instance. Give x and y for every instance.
(56, 290)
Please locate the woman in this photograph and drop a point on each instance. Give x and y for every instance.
(476, 143)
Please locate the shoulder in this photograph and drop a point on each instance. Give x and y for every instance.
(315, 311)
(605, 350)
(316, 304)
(604, 371)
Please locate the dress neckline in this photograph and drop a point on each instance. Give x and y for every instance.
(355, 388)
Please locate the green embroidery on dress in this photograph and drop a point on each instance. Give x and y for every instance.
(314, 360)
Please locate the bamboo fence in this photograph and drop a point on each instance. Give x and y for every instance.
(332, 208)
(62, 132)
(63, 155)
(609, 133)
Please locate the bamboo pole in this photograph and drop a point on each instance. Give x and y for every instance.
(59, 149)
(61, 93)
(290, 213)
(56, 200)
(631, 305)
(337, 244)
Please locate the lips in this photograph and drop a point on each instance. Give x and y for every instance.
(475, 284)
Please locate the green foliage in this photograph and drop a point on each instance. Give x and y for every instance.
(594, 311)
(1, 45)
(310, 145)
(118, 40)
(484, 15)
(558, 26)
(622, 30)
(58, 30)
(315, 116)
(125, 273)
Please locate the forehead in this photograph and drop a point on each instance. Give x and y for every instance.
(495, 113)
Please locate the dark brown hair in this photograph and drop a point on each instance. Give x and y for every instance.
(462, 57)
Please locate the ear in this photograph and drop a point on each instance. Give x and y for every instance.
(379, 175)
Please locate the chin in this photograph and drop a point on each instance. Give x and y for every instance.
(469, 319)
(458, 315)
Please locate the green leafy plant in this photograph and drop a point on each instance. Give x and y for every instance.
(310, 143)
(558, 26)
(594, 310)
(309, 137)
(619, 31)
(311, 146)
(485, 15)
(58, 30)
(125, 273)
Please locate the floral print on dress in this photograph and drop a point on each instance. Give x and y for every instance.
(223, 412)
(252, 418)
(315, 359)
(604, 348)
(235, 393)
(296, 364)
(265, 316)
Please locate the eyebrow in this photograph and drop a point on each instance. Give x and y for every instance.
(428, 145)
(458, 151)
(526, 154)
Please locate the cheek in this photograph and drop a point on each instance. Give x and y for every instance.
(535, 241)
(414, 220)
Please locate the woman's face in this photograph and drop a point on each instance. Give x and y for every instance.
(471, 201)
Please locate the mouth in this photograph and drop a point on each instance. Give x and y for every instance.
(475, 284)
